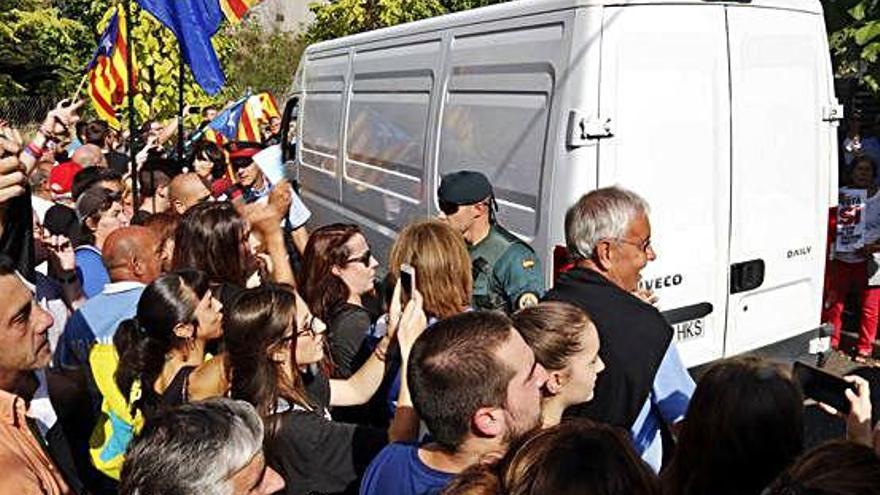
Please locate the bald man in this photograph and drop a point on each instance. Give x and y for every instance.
(89, 155)
(132, 256)
(186, 191)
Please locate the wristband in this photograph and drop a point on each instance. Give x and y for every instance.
(34, 150)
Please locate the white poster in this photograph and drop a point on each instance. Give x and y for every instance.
(850, 220)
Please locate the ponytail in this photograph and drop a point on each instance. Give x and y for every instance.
(140, 356)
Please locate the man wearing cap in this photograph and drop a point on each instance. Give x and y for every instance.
(507, 274)
(256, 187)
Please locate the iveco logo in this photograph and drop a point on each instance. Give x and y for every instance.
(799, 252)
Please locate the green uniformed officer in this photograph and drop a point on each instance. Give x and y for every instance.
(507, 274)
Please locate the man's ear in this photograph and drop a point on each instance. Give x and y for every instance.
(603, 254)
(184, 330)
(178, 206)
(489, 422)
(91, 223)
(335, 270)
(556, 381)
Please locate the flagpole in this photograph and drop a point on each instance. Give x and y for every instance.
(79, 88)
(180, 136)
(131, 130)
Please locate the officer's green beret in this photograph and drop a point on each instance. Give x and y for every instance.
(465, 187)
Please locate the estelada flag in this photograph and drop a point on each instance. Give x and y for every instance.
(234, 10)
(259, 108)
(108, 70)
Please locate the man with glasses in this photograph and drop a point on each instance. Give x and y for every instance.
(645, 386)
(507, 274)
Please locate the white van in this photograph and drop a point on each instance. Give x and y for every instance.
(720, 113)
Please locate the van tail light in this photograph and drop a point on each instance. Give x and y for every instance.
(832, 231)
(561, 261)
(829, 248)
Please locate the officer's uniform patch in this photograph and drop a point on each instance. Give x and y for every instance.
(526, 299)
(528, 263)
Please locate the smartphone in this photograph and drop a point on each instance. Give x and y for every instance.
(407, 282)
(195, 110)
(823, 386)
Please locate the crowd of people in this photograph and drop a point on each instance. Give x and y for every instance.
(203, 340)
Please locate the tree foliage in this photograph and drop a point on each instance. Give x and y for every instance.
(343, 17)
(39, 48)
(854, 36)
(260, 60)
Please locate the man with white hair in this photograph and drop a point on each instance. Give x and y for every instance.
(645, 386)
(214, 447)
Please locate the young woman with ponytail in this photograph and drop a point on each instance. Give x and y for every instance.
(177, 316)
(148, 365)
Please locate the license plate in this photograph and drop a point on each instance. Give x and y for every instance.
(820, 344)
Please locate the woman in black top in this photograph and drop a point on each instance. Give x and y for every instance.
(275, 348)
(177, 316)
(339, 270)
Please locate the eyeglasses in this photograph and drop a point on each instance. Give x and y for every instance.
(365, 259)
(312, 327)
(643, 246)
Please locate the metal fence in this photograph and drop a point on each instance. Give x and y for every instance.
(25, 112)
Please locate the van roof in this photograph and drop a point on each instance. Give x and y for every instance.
(519, 8)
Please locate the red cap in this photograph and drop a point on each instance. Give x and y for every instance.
(61, 177)
(244, 153)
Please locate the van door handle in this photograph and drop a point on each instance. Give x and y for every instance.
(747, 275)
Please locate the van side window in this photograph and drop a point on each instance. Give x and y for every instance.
(386, 131)
(495, 117)
(322, 113)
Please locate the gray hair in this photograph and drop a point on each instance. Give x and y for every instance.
(601, 214)
(193, 448)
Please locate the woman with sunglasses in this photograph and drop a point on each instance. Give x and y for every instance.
(338, 271)
(275, 347)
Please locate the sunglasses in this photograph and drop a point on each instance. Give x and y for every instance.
(364, 259)
(448, 208)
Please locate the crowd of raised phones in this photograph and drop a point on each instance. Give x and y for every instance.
(210, 339)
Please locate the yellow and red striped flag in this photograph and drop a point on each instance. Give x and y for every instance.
(108, 72)
(259, 108)
(234, 10)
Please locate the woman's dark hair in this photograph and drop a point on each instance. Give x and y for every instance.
(212, 237)
(744, 425)
(143, 342)
(322, 290)
(255, 323)
(206, 150)
(575, 457)
(839, 467)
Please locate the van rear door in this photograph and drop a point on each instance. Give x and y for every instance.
(782, 154)
(664, 85)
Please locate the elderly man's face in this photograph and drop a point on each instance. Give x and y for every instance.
(632, 252)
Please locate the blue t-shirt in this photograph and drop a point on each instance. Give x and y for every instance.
(667, 403)
(96, 321)
(90, 268)
(397, 469)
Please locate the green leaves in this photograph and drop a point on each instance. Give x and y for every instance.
(338, 18)
(854, 38)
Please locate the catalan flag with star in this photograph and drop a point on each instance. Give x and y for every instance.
(234, 10)
(108, 70)
(258, 109)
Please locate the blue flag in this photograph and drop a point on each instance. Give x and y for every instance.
(226, 122)
(193, 22)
